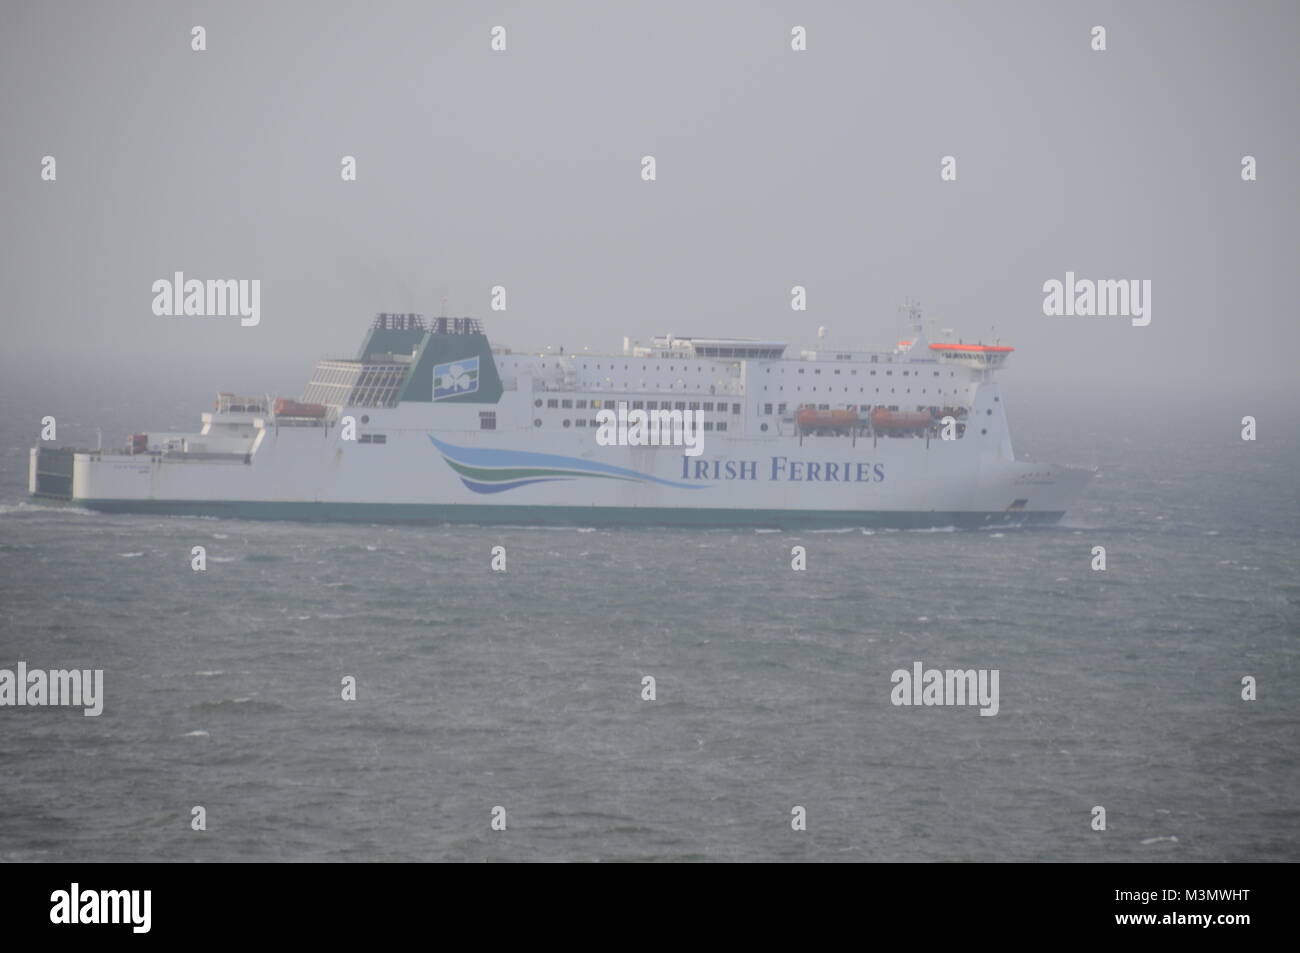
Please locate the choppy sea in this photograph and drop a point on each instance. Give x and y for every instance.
(522, 690)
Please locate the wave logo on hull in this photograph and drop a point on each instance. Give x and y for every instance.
(486, 470)
(455, 378)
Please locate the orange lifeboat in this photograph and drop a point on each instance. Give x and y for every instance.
(894, 421)
(284, 407)
(810, 418)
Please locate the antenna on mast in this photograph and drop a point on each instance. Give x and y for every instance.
(915, 323)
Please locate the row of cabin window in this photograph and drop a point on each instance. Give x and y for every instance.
(708, 405)
(699, 369)
(853, 372)
(780, 408)
(582, 422)
(861, 390)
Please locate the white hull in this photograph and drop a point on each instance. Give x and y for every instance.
(437, 463)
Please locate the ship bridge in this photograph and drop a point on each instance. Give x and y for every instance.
(977, 356)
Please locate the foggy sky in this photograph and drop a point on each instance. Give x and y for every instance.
(775, 168)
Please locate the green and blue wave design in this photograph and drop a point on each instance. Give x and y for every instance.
(486, 470)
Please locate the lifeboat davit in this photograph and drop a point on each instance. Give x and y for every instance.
(810, 418)
(895, 421)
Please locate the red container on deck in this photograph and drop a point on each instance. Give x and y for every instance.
(284, 407)
(139, 443)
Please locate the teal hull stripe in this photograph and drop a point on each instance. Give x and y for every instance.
(490, 458)
(569, 515)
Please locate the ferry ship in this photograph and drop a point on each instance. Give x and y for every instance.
(430, 423)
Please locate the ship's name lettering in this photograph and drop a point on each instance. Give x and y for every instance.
(783, 469)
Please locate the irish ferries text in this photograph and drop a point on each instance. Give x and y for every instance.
(783, 468)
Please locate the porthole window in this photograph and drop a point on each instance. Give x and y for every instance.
(537, 402)
(566, 422)
(365, 418)
(537, 422)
